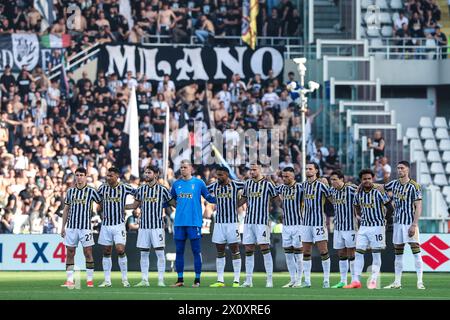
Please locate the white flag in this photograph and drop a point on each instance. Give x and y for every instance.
(132, 129)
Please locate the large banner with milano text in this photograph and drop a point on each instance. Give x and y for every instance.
(189, 64)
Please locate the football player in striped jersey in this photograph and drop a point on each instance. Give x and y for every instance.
(258, 192)
(407, 196)
(151, 197)
(226, 229)
(77, 214)
(114, 195)
(314, 229)
(291, 195)
(344, 235)
(369, 205)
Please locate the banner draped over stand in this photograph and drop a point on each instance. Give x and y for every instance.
(188, 64)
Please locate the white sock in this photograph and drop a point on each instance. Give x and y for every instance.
(299, 260)
(237, 262)
(89, 274)
(145, 264)
(307, 270)
(161, 264)
(343, 268)
(268, 265)
(220, 266)
(352, 268)
(376, 265)
(398, 264)
(123, 264)
(359, 265)
(107, 265)
(69, 273)
(249, 265)
(326, 269)
(292, 268)
(419, 266)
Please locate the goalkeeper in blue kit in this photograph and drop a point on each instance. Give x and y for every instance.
(187, 192)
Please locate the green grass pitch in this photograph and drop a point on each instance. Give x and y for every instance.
(46, 285)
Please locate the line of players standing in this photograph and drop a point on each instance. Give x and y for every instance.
(303, 223)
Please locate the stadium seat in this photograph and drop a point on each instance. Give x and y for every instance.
(430, 144)
(374, 33)
(447, 168)
(387, 31)
(395, 15)
(446, 156)
(446, 191)
(437, 168)
(444, 145)
(440, 122)
(385, 18)
(425, 122)
(382, 4)
(423, 167)
(433, 156)
(425, 179)
(440, 180)
(362, 30)
(426, 133)
(396, 4)
(412, 133)
(366, 3)
(415, 144)
(441, 133)
(418, 156)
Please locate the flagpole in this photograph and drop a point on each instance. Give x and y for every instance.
(166, 144)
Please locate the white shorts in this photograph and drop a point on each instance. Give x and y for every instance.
(400, 235)
(73, 236)
(226, 233)
(371, 237)
(256, 234)
(148, 238)
(292, 236)
(344, 239)
(112, 234)
(314, 234)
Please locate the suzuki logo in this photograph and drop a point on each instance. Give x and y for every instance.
(433, 247)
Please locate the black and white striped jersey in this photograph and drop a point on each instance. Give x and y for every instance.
(372, 207)
(342, 199)
(258, 194)
(404, 196)
(113, 202)
(227, 197)
(314, 197)
(153, 199)
(292, 200)
(80, 203)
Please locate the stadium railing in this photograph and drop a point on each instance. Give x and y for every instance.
(76, 60)
(261, 41)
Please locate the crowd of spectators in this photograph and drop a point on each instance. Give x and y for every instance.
(420, 19)
(176, 20)
(45, 135)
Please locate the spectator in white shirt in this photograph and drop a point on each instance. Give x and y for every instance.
(236, 86)
(270, 97)
(254, 110)
(225, 96)
(130, 81)
(170, 83)
(398, 24)
(53, 94)
(287, 162)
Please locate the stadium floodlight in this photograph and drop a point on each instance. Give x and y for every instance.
(302, 101)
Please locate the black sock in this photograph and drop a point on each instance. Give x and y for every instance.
(180, 280)
(197, 280)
